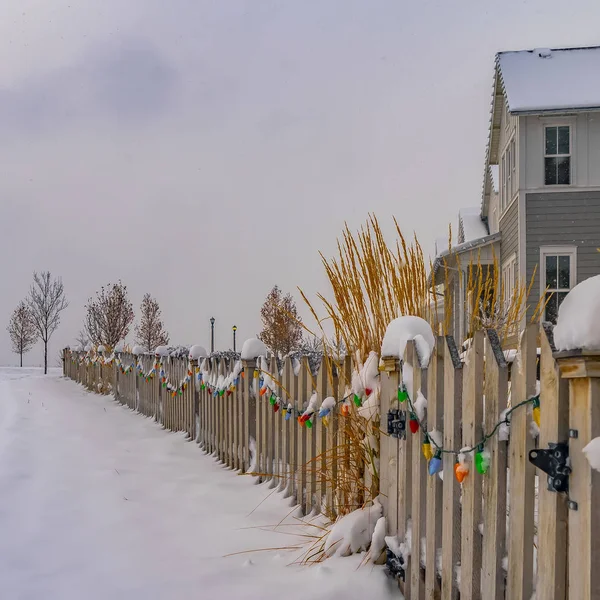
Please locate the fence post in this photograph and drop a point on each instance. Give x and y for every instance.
(582, 370)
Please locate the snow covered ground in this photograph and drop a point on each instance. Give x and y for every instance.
(97, 502)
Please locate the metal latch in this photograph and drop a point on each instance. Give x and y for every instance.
(553, 461)
(394, 565)
(397, 423)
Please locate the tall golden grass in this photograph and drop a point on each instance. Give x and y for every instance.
(373, 282)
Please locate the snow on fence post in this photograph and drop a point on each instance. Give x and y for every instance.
(433, 526)
(581, 368)
(519, 581)
(552, 557)
(195, 401)
(451, 517)
(249, 417)
(494, 502)
(472, 412)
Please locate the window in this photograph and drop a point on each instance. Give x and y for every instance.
(509, 175)
(557, 156)
(558, 276)
(509, 274)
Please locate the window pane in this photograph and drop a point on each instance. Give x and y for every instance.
(563, 140)
(564, 272)
(560, 296)
(550, 171)
(551, 277)
(564, 170)
(551, 307)
(551, 135)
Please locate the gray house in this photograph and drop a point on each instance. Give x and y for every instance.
(540, 210)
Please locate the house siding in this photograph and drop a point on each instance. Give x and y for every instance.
(509, 230)
(562, 219)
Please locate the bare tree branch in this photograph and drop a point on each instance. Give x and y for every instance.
(46, 302)
(22, 330)
(150, 332)
(109, 315)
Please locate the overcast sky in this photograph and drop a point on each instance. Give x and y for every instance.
(204, 151)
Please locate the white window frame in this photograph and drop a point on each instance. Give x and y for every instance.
(545, 126)
(508, 175)
(571, 252)
(509, 277)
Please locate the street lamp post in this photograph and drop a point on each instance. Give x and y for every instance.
(212, 335)
(234, 328)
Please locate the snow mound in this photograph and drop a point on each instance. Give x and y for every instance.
(253, 348)
(120, 347)
(403, 329)
(197, 352)
(578, 324)
(592, 453)
(353, 532)
(137, 350)
(101, 349)
(161, 351)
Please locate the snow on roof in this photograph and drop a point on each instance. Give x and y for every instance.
(472, 225)
(545, 80)
(495, 173)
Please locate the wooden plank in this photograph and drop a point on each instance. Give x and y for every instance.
(405, 471)
(470, 569)
(324, 390)
(433, 526)
(284, 434)
(521, 473)
(332, 441)
(311, 475)
(451, 516)
(301, 454)
(552, 559)
(419, 484)
(292, 430)
(388, 469)
(276, 426)
(249, 430)
(494, 499)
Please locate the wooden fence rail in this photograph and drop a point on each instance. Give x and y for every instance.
(499, 533)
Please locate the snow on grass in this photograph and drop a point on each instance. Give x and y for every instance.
(578, 325)
(98, 502)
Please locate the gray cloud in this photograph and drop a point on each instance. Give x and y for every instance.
(128, 82)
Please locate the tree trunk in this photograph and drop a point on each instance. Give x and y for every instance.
(21, 358)
(45, 357)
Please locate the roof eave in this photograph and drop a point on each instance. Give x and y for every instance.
(553, 111)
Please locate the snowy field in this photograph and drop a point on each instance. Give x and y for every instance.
(97, 502)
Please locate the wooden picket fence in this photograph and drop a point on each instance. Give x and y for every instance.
(502, 534)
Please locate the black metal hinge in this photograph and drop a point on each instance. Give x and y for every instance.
(397, 424)
(553, 461)
(394, 565)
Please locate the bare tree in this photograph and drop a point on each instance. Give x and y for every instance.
(282, 327)
(150, 332)
(46, 301)
(22, 330)
(109, 315)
